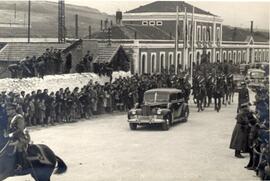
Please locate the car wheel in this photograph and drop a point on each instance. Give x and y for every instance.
(166, 125)
(133, 126)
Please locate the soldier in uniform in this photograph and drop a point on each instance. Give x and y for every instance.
(20, 137)
(243, 96)
(239, 140)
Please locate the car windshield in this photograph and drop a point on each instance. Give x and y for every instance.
(156, 97)
(255, 75)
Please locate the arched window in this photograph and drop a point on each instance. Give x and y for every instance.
(143, 70)
(209, 57)
(239, 60)
(255, 56)
(162, 62)
(179, 62)
(259, 56)
(224, 57)
(244, 57)
(198, 58)
(179, 59)
(171, 60)
(218, 34)
(190, 59)
(199, 33)
(217, 57)
(210, 34)
(153, 63)
(230, 56)
(234, 57)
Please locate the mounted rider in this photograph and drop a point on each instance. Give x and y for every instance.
(20, 138)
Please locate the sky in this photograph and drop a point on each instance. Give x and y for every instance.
(235, 13)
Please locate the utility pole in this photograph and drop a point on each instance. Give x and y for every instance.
(76, 27)
(29, 20)
(176, 38)
(61, 21)
(15, 11)
(192, 45)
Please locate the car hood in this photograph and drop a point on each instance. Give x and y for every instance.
(156, 104)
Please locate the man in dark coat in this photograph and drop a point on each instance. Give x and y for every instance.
(243, 96)
(239, 140)
(68, 63)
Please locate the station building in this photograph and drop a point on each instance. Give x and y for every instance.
(148, 34)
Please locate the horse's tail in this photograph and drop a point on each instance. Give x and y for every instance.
(61, 166)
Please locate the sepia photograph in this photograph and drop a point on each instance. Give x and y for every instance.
(134, 90)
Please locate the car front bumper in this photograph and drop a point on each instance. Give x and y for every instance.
(146, 120)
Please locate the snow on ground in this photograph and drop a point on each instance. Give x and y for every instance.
(55, 82)
(105, 149)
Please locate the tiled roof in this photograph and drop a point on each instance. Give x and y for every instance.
(168, 6)
(106, 53)
(129, 31)
(156, 33)
(18, 51)
(241, 34)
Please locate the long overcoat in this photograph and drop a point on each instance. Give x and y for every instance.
(239, 140)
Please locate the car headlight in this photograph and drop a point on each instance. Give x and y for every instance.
(159, 111)
(133, 112)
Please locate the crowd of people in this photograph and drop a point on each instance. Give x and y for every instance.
(251, 133)
(50, 62)
(55, 61)
(42, 107)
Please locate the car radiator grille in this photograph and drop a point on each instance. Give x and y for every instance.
(146, 111)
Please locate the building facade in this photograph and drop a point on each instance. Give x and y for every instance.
(151, 33)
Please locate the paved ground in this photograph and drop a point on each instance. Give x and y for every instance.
(105, 149)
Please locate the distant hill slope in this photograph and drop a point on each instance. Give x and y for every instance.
(44, 19)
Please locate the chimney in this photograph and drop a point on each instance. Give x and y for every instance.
(251, 27)
(101, 25)
(89, 32)
(119, 17)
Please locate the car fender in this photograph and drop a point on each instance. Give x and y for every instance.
(166, 112)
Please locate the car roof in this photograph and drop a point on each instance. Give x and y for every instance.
(255, 70)
(169, 90)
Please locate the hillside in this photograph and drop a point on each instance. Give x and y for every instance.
(44, 19)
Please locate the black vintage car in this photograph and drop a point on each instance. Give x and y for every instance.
(163, 106)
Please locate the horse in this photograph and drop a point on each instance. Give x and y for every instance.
(231, 88)
(218, 93)
(40, 160)
(209, 90)
(200, 97)
(39, 168)
(195, 87)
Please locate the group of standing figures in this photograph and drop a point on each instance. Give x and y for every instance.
(218, 86)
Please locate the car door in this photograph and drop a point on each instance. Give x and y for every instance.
(180, 104)
(176, 107)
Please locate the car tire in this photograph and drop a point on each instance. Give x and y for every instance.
(166, 125)
(133, 126)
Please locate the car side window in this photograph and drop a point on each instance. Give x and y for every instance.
(173, 97)
(180, 96)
